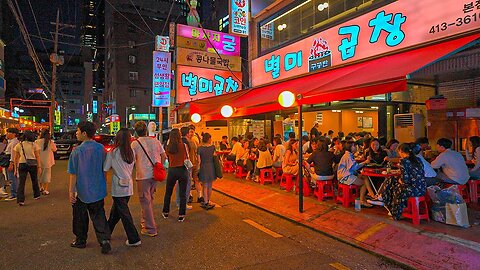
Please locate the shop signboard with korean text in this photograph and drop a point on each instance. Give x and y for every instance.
(162, 43)
(239, 17)
(162, 70)
(196, 83)
(396, 26)
(196, 58)
(224, 43)
(190, 43)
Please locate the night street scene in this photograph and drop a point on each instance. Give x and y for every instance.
(240, 134)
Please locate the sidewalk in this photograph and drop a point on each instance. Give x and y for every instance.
(430, 245)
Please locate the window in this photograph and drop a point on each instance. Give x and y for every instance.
(133, 75)
(131, 43)
(132, 59)
(133, 93)
(76, 92)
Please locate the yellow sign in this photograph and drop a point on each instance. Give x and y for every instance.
(190, 43)
(57, 117)
(188, 57)
(114, 127)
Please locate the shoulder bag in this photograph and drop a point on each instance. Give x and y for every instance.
(218, 167)
(187, 162)
(29, 162)
(4, 158)
(159, 172)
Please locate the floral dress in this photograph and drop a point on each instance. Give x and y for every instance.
(396, 194)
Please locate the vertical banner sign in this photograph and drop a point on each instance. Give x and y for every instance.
(162, 70)
(239, 17)
(162, 43)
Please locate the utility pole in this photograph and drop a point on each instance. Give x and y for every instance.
(56, 60)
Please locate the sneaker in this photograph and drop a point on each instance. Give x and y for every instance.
(36, 198)
(165, 215)
(208, 206)
(136, 244)
(190, 199)
(11, 198)
(200, 200)
(376, 202)
(181, 218)
(106, 247)
(21, 204)
(76, 244)
(144, 232)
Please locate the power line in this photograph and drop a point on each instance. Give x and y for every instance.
(99, 47)
(150, 34)
(133, 4)
(36, 24)
(168, 16)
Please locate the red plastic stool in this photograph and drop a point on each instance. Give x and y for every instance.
(474, 188)
(416, 210)
(266, 175)
(347, 194)
(306, 187)
(463, 190)
(228, 166)
(324, 190)
(278, 175)
(287, 181)
(240, 173)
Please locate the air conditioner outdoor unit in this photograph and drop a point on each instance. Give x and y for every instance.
(408, 127)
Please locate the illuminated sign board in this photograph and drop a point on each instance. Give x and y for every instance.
(267, 31)
(196, 58)
(239, 17)
(162, 43)
(35, 91)
(141, 116)
(224, 43)
(95, 106)
(190, 43)
(396, 26)
(196, 83)
(162, 70)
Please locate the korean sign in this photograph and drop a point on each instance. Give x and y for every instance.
(208, 60)
(399, 25)
(190, 43)
(197, 83)
(239, 17)
(162, 70)
(162, 43)
(224, 43)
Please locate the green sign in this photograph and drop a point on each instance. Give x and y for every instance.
(141, 116)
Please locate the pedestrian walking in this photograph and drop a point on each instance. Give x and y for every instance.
(12, 137)
(88, 188)
(3, 175)
(207, 169)
(184, 132)
(193, 154)
(177, 171)
(146, 148)
(27, 161)
(121, 161)
(47, 148)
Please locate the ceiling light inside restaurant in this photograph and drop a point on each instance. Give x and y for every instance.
(358, 111)
(374, 107)
(323, 6)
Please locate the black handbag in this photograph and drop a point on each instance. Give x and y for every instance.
(218, 167)
(4, 158)
(29, 162)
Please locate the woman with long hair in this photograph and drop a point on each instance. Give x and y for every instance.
(121, 160)
(474, 145)
(177, 154)
(206, 151)
(290, 162)
(27, 161)
(411, 182)
(47, 148)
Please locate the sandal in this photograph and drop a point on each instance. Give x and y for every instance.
(366, 205)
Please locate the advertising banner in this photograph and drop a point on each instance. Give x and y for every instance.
(239, 17)
(196, 83)
(195, 58)
(224, 43)
(162, 43)
(162, 70)
(399, 25)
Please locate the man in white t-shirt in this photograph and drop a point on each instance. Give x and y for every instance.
(12, 134)
(145, 183)
(452, 164)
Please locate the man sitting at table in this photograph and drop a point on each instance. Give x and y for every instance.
(224, 143)
(454, 169)
(323, 161)
(236, 146)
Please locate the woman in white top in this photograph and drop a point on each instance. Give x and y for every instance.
(27, 161)
(121, 161)
(278, 152)
(47, 147)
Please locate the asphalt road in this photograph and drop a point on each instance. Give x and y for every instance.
(232, 236)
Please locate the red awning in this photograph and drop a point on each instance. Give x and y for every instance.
(378, 76)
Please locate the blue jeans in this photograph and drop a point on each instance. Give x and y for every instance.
(189, 186)
(13, 182)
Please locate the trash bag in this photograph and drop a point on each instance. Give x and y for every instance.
(448, 206)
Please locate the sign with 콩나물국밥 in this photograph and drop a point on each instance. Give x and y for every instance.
(162, 70)
(224, 43)
(195, 58)
(239, 17)
(396, 26)
(196, 83)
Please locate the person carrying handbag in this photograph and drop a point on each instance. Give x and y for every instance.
(27, 161)
(179, 164)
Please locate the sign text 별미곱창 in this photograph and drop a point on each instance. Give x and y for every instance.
(196, 83)
(224, 43)
(396, 26)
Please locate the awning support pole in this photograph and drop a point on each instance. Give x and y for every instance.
(300, 160)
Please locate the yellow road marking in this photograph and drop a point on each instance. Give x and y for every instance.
(263, 229)
(339, 266)
(370, 231)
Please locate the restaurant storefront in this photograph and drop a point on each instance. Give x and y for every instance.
(368, 62)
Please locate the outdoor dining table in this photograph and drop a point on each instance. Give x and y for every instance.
(378, 172)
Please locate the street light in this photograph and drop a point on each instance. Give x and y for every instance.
(196, 118)
(126, 114)
(287, 99)
(226, 111)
